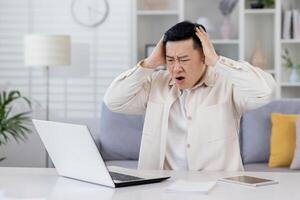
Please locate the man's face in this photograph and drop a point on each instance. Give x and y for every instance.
(185, 63)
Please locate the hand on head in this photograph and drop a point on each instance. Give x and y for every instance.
(211, 57)
(157, 57)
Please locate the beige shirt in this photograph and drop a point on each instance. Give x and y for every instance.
(214, 109)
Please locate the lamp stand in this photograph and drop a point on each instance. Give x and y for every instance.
(47, 92)
(48, 161)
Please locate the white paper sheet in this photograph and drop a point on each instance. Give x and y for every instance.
(191, 186)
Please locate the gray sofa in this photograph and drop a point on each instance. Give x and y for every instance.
(120, 136)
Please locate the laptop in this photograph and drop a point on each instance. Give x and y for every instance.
(75, 155)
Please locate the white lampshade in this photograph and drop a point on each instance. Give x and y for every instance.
(47, 50)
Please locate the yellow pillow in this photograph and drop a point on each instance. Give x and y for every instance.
(283, 139)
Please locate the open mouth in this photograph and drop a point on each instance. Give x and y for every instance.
(179, 78)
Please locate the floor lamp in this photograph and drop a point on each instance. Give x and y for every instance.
(47, 51)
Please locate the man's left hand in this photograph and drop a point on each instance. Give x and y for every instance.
(211, 57)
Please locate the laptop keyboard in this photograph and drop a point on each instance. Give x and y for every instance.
(123, 177)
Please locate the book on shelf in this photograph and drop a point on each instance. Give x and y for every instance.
(295, 24)
(291, 24)
(286, 32)
(298, 25)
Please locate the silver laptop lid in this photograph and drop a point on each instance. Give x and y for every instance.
(73, 151)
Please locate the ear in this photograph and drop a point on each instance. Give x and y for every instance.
(202, 55)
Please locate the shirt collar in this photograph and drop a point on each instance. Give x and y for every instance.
(208, 80)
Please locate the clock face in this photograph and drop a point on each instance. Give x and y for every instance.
(89, 12)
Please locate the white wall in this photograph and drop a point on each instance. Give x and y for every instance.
(76, 92)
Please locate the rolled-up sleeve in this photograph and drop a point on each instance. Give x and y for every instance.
(252, 87)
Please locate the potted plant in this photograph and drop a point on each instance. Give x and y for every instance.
(12, 125)
(291, 65)
(269, 3)
(261, 4)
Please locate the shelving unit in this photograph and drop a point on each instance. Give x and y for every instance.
(248, 27)
(260, 11)
(158, 12)
(290, 41)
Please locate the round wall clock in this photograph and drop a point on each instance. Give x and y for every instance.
(90, 13)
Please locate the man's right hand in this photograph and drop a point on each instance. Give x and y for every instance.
(157, 57)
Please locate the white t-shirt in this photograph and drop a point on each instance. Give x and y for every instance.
(176, 156)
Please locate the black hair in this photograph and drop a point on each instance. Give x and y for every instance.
(183, 31)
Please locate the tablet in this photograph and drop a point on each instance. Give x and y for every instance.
(248, 180)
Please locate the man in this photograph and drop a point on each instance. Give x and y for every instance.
(192, 110)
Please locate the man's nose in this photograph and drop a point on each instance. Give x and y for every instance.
(177, 66)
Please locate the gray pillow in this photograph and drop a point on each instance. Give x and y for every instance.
(255, 130)
(120, 135)
(296, 160)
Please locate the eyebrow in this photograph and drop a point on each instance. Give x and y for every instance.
(180, 57)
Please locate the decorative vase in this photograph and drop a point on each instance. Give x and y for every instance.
(258, 58)
(294, 77)
(226, 28)
(155, 4)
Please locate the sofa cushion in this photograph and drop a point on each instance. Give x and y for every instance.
(283, 139)
(120, 135)
(296, 160)
(255, 129)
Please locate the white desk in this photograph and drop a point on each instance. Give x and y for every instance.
(40, 183)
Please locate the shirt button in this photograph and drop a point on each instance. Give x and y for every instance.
(189, 118)
(188, 145)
